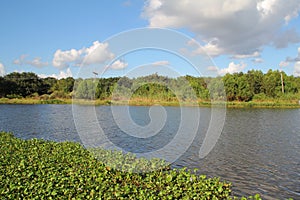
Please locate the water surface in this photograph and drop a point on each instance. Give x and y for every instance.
(258, 150)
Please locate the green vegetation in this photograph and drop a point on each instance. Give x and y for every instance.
(251, 89)
(38, 169)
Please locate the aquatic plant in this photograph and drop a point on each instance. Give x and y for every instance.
(39, 169)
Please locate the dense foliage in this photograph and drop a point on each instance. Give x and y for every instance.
(253, 85)
(38, 169)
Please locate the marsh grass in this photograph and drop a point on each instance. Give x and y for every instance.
(149, 102)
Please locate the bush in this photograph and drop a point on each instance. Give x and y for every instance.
(60, 95)
(34, 95)
(260, 97)
(45, 97)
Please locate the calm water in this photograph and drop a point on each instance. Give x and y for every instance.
(258, 150)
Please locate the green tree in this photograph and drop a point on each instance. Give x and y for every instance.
(272, 83)
(216, 88)
(25, 84)
(231, 86)
(255, 81)
(244, 92)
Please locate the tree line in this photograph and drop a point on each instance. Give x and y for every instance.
(253, 85)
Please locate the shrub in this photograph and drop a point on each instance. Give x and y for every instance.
(60, 95)
(260, 97)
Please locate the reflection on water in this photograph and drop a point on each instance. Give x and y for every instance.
(259, 149)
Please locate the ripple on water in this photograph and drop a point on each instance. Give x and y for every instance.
(258, 151)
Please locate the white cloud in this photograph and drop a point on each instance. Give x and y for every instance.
(233, 68)
(283, 64)
(20, 60)
(62, 74)
(118, 65)
(161, 63)
(297, 69)
(36, 62)
(230, 27)
(2, 70)
(97, 53)
(242, 56)
(211, 49)
(62, 59)
(257, 60)
(266, 7)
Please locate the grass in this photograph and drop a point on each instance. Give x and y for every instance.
(38, 169)
(34, 101)
(265, 104)
(270, 103)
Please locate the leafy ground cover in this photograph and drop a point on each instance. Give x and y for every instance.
(38, 169)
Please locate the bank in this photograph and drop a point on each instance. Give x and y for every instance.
(149, 102)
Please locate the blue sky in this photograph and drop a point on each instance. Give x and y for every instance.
(73, 38)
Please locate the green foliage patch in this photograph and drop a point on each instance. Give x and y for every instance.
(38, 169)
(237, 87)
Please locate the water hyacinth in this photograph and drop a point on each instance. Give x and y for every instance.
(39, 169)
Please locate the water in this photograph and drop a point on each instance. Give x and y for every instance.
(258, 150)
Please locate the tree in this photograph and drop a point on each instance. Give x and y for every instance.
(255, 81)
(231, 87)
(216, 88)
(24, 84)
(244, 92)
(272, 83)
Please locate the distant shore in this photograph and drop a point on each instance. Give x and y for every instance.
(149, 102)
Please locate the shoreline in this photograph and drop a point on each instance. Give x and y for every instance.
(151, 102)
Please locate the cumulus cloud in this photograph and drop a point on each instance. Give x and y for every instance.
(210, 49)
(232, 68)
(95, 54)
(118, 65)
(161, 63)
(231, 27)
(62, 59)
(2, 70)
(60, 75)
(36, 62)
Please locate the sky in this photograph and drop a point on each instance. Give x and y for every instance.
(133, 37)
